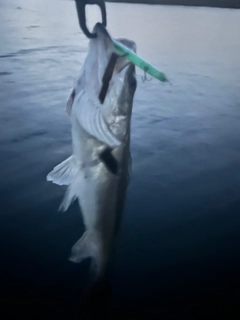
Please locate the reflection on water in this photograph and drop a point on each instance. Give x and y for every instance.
(179, 239)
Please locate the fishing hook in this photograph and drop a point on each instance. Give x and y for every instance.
(81, 11)
(144, 78)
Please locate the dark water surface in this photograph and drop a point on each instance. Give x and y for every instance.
(178, 250)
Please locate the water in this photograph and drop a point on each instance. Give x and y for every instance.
(177, 252)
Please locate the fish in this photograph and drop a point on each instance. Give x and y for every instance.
(98, 171)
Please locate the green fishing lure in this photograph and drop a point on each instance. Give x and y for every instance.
(141, 63)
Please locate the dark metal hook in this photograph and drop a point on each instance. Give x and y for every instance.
(81, 11)
(144, 78)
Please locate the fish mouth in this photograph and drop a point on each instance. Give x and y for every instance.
(101, 31)
(121, 62)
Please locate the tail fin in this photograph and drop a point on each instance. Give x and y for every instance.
(88, 246)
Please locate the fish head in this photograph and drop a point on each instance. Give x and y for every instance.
(99, 54)
(110, 116)
(117, 106)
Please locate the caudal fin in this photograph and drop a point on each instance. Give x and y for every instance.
(88, 246)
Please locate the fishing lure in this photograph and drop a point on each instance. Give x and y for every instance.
(141, 63)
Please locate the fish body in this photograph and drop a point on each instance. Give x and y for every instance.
(97, 173)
